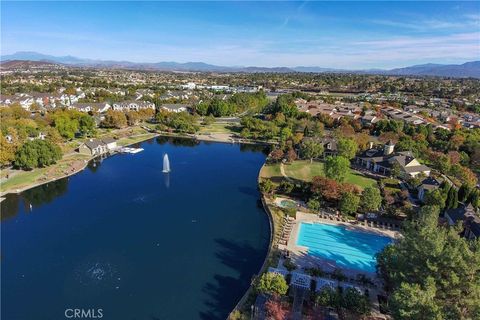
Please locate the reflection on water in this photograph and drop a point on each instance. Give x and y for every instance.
(166, 180)
(263, 148)
(177, 141)
(32, 198)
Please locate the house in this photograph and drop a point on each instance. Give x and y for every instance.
(95, 147)
(330, 147)
(383, 161)
(368, 120)
(175, 107)
(188, 86)
(428, 185)
(469, 218)
(40, 136)
(132, 106)
(90, 107)
(110, 143)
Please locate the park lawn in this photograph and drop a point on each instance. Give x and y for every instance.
(270, 170)
(218, 127)
(26, 178)
(304, 170)
(134, 139)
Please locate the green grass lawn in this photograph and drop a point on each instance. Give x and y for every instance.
(219, 128)
(26, 178)
(271, 170)
(304, 170)
(135, 139)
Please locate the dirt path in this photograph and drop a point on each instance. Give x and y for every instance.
(282, 171)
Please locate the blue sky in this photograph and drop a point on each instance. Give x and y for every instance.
(327, 34)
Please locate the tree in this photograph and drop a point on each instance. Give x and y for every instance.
(53, 135)
(266, 186)
(463, 192)
(311, 149)
(291, 155)
(114, 119)
(285, 134)
(86, 125)
(276, 155)
(37, 153)
(328, 189)
(347, 148)
(411, 301)
(371, 199)
(202, 108)
(355, 301)
(435, 198)
(208, 120)
(286, 186)
(349, 203)
(272, 283)
(275, 309)
(313, 204)
(66, 126)
(432, 272)
(70, 91)
(7, 151)
(132, 118)
(337, 168)
(328, 297)
(452, 199)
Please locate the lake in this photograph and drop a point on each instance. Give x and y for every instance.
(124, 237)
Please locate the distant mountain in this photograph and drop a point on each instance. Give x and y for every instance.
(35, 56)
(12, 64)
(469, 69)
(317, 69)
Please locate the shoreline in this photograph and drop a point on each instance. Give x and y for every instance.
(78, 170)
(271, 223)
(205, 138)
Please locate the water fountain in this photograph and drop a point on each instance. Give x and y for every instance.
(166, 164)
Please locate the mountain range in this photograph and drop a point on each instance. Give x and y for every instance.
(468, 69)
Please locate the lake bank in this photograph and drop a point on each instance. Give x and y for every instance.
(69, 165)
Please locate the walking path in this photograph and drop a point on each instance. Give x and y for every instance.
(282, 171)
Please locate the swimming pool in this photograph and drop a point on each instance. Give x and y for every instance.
(287, 204)
(348, 248)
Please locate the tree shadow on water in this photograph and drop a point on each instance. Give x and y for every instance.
(225, 291)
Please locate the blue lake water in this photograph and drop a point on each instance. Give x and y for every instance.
(348, 248)
(139, 244)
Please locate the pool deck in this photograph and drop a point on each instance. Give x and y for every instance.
(300, 256)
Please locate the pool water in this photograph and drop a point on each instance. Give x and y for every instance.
(287, 204)
(348, 248)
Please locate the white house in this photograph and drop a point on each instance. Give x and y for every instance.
(175, 107)
(95, 147)
(132, 105)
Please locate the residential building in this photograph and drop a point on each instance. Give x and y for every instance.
(175, 107)
(383, 161)
(132, 105)
(329, 147)
(99, 107)
(428, 185)
(468, 217)
(95, 147)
